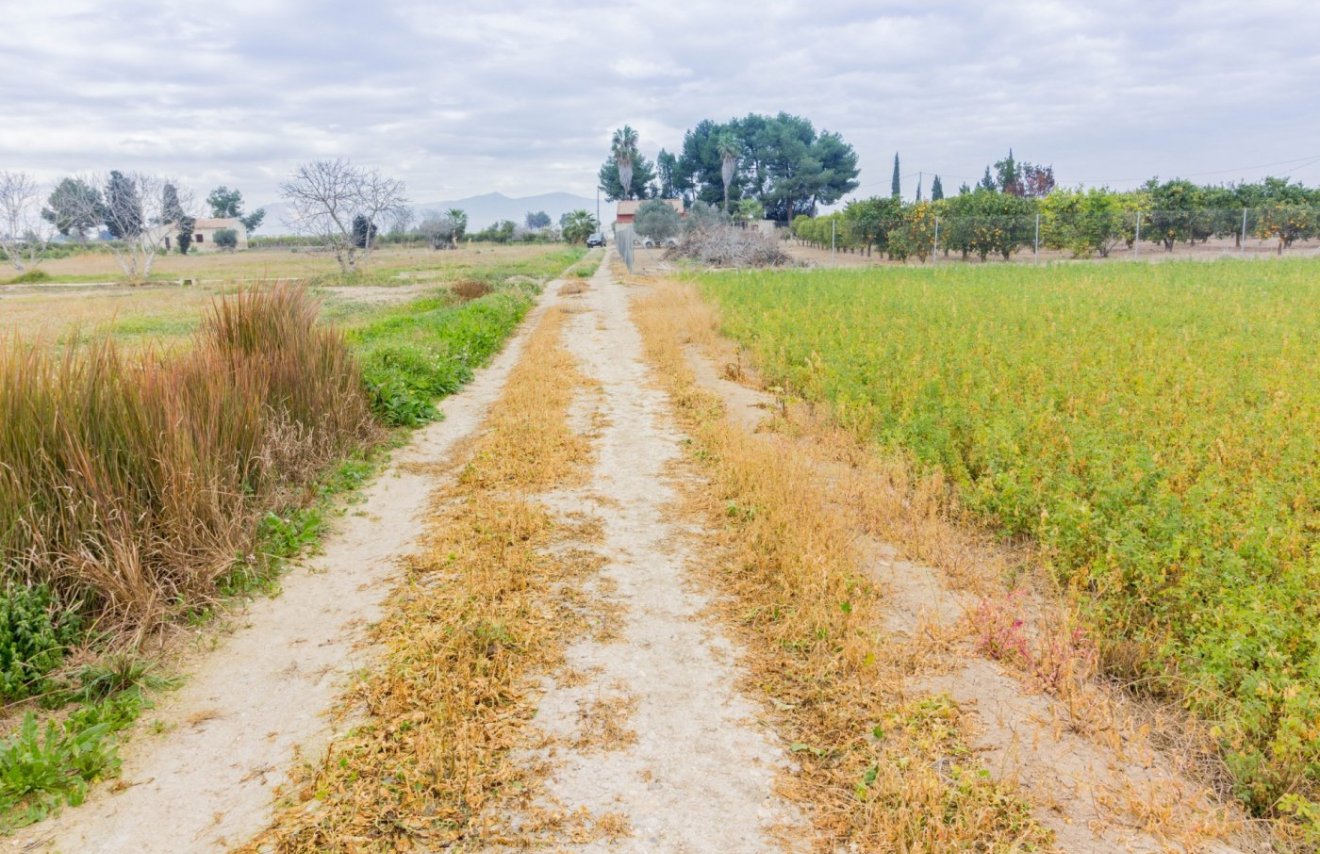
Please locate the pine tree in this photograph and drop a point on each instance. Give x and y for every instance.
(936, 190)
(918, 186)
(988, 182)
(896, 190)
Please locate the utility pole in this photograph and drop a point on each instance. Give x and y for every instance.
(1035, 247)
(1242, 244)
(600, 229)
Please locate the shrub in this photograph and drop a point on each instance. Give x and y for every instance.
(33, 638)
(226, 238)
(656, 220)
(31, 277)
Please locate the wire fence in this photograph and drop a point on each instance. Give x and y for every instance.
(623, 241)
(923, 235)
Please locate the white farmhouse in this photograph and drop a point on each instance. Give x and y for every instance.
(203, 239)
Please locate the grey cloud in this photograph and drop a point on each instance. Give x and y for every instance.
(523, 96)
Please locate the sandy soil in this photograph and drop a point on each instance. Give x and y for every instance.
(644, 723)
(259, 700)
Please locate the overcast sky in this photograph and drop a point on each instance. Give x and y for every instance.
(460, 99)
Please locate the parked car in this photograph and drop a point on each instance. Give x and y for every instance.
(595, 240)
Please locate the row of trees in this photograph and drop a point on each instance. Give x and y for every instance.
(988, 221)
(1007, 176)
(134, 210)
(780, 162)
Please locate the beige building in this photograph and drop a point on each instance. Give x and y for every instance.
(204, 232)
(626, 211)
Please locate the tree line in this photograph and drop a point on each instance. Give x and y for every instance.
(999, 217)
(781, 162)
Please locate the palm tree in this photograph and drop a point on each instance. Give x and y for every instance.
(578, 226)
(624, 150)
(727, 147)
(459, 217)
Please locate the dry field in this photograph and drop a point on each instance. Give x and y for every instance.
(89, 302)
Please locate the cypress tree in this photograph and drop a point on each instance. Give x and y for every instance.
(936, 190)
(896, 190)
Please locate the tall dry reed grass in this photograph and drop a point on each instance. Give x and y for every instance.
(130, 484)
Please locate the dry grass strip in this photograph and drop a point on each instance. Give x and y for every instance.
(878, 771)
(487, 604)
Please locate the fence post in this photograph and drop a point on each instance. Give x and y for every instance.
(935, 246)
(1136, 244)
(1242, 244)
(1035, 248)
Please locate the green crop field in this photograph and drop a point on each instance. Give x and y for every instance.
(1156, 428)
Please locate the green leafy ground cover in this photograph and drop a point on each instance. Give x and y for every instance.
(1156, 428)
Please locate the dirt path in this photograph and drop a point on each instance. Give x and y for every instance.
(259, 700)
(644, 723)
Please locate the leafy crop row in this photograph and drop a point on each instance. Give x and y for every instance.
(1156, 428)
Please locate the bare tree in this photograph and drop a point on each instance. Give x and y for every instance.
(24, 235)
(439, 230)
(326, 196)
(138, 213)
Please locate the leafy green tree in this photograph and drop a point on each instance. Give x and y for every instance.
(225, 203)
(1083, 222)
(915, 234)
(74, 208)
(1008, 176)
(936, 189)
(170, 206)
(460, 220)
(227, 239)
(666, 168)
(124, 218)
(896, 183)
(253, 220)
(871, 220)
(538, 220)
(783, 162)
(228, 204)
(985, 222)
(364, 232)
(643, 174)
(1173, 208)
(749, 210)
(187, 225)
(579, 225)
(657, 220)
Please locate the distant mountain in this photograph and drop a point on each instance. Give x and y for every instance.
(482, 210)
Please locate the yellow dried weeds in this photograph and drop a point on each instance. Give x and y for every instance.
(487, 604)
